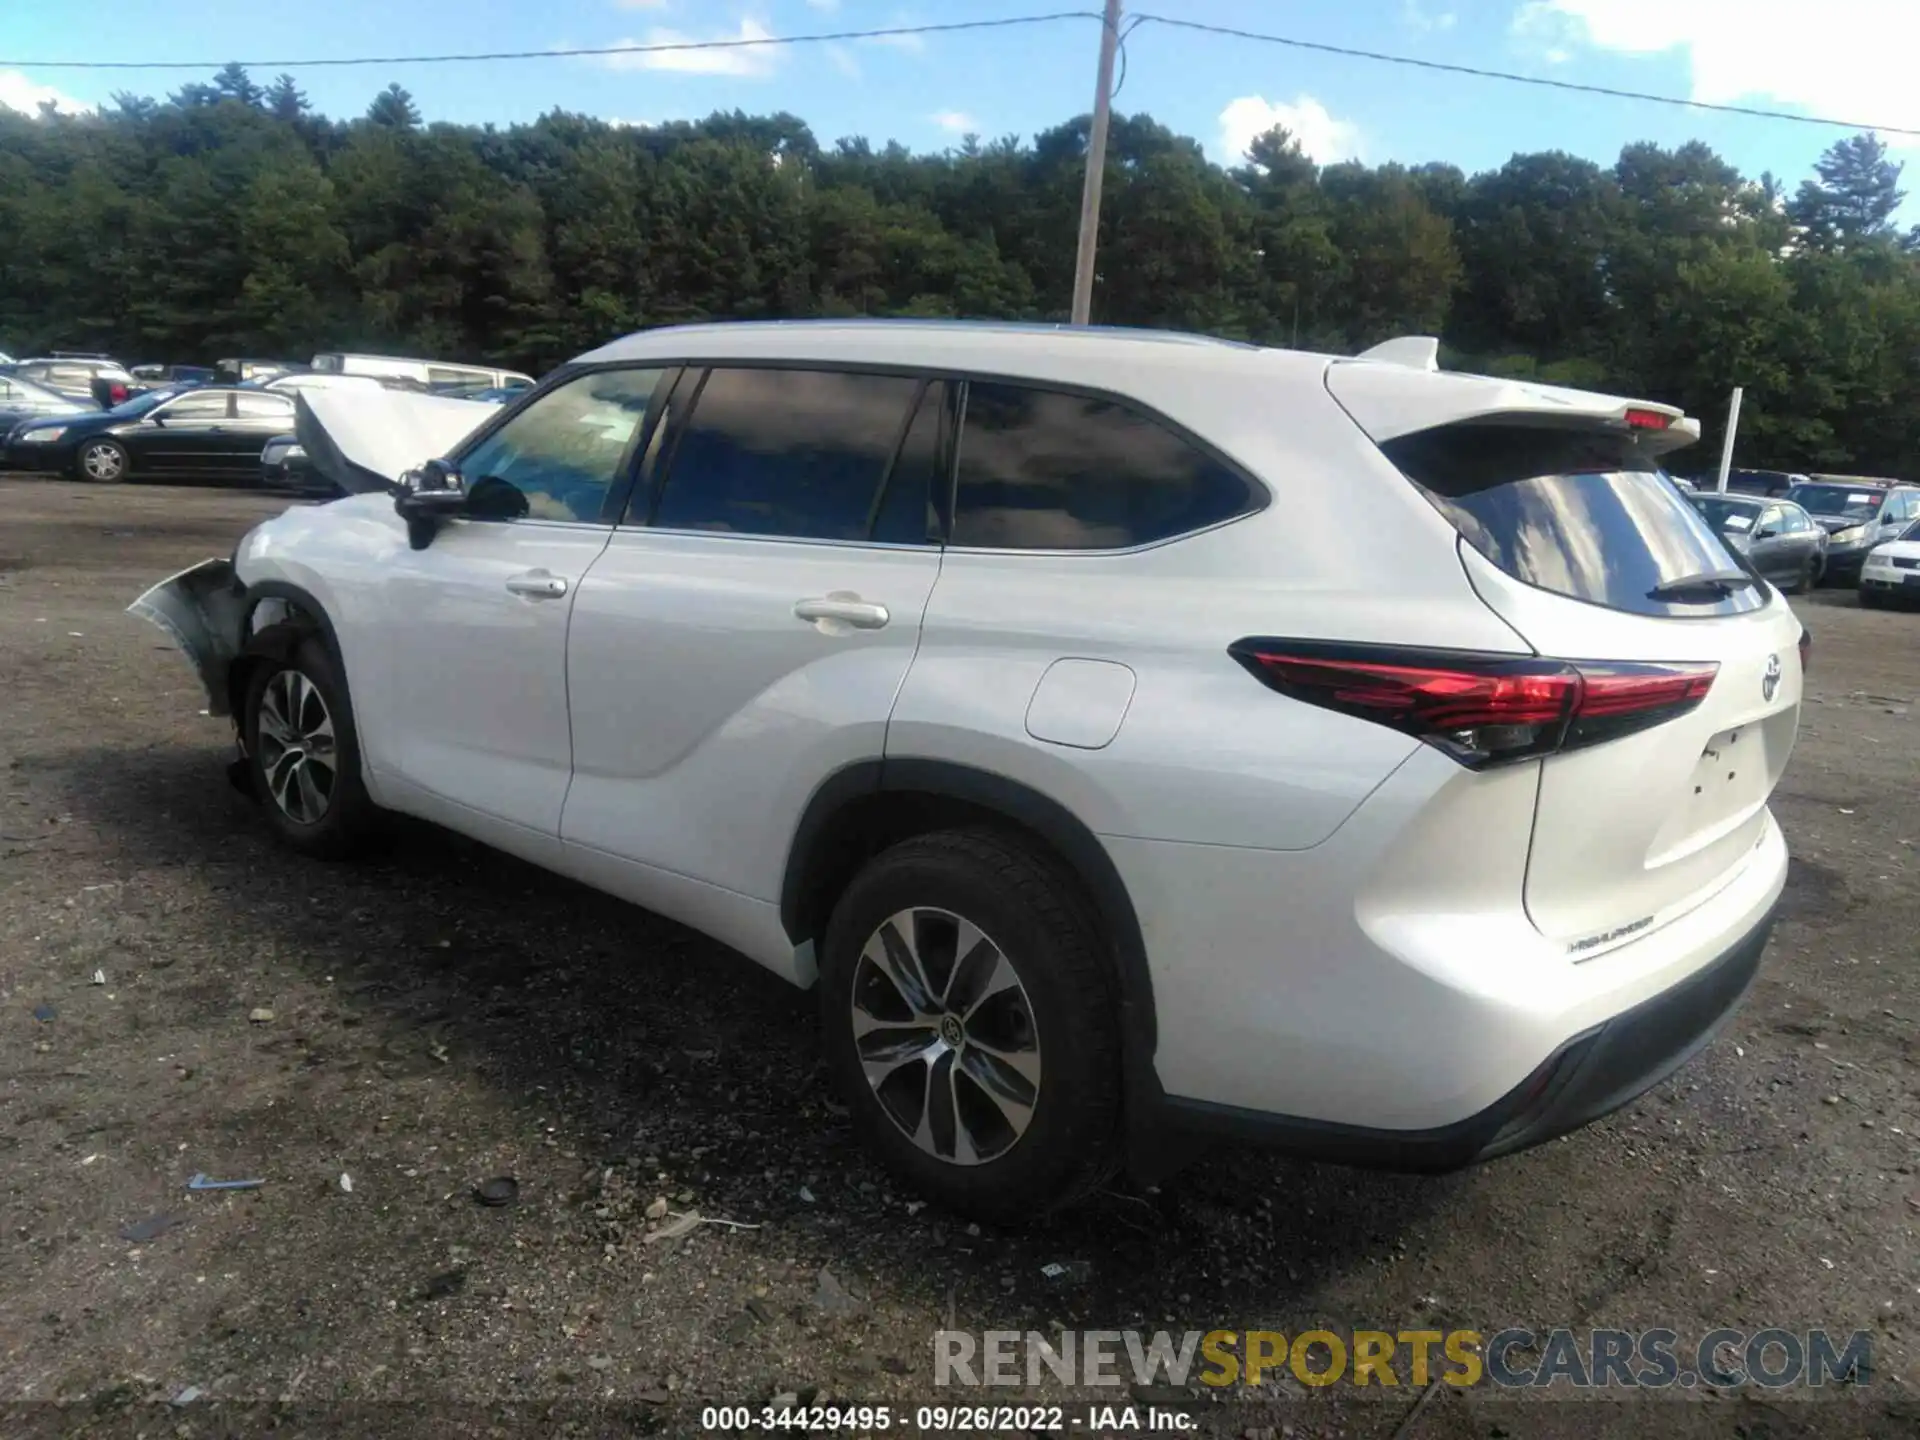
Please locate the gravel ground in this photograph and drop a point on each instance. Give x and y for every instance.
(445, 1015)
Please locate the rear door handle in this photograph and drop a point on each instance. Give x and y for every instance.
(537, 585)
(844, 607)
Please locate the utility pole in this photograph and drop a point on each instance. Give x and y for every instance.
(1726, 446)
(1096, 168)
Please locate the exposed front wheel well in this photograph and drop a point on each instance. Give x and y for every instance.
(276, 621)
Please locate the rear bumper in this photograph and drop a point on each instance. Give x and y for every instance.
(1590, 1076)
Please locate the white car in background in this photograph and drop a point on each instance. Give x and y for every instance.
(1890, 574)
(1031, 694)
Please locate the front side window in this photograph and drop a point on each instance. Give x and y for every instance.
(263, 407)
(801, 454)
(1046, 470)
(197, 407)
(1577, 512)
(557, 458)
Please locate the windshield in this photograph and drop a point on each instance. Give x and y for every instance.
(1729, 517)
(1842, 500)
(141, 404)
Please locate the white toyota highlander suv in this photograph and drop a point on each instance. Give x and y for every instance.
(1132, 737)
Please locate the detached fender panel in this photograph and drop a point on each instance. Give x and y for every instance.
(203, 610)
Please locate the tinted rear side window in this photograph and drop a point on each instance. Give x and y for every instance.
(1045, 470)
(799, 453)
(1575, 512)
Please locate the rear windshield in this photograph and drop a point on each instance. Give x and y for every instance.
(1580, 513)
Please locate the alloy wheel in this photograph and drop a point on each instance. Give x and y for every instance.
(297, 749)
(945, 1035)
(102, 462)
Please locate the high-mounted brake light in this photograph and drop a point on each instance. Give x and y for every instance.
(1479, 709)
(1648, 420)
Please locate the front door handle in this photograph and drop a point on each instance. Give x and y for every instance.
(841, 609)
(537, 585)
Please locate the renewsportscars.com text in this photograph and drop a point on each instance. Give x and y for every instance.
(1510, 1359)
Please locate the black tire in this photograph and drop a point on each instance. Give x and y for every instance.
(102, 461)
(1808, 577)
(1032, 910)
(1870, 599)
(348, 820)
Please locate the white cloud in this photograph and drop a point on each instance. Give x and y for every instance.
(17, 92)
(1418, 17)
(1325, 139)
(1849, 59)
(844, 61)
(750, 60)
(956, 122)
(911, 43)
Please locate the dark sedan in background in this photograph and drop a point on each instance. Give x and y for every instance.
(1775, 537)
(206, 433)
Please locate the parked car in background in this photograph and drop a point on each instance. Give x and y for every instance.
(434, 374)
(284, 466)
(208, 433)
(75, 375)
(297, 380)
(240, 371)
(1777, 537)
(1890, 575)
(1022, 691)
(1857, 515)
(173, 374)
(22, 400)
(109, 392)
(1754, 482)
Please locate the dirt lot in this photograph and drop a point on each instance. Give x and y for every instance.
(447, 1015)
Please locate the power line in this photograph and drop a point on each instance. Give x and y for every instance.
(662, 48)
(953, 26)
(1540, 80)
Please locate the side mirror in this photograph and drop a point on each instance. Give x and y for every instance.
(1766, 532)
(427, 495)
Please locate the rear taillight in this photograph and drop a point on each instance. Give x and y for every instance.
(1479, 709)
(118, 393)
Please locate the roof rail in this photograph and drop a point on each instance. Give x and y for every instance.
(1416, 352)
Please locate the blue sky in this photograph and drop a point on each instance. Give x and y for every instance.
(1854, 61)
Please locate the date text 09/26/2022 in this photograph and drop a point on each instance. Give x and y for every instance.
(1094, 1419)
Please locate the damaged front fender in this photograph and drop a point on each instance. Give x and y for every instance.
(203, 610)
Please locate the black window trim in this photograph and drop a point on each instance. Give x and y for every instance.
(1259, 493)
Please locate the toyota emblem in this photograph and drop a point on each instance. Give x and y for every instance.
(1770, 680)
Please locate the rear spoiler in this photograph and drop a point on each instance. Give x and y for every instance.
(1397, 389)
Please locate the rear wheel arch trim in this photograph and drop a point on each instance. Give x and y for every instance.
(1070, 839)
